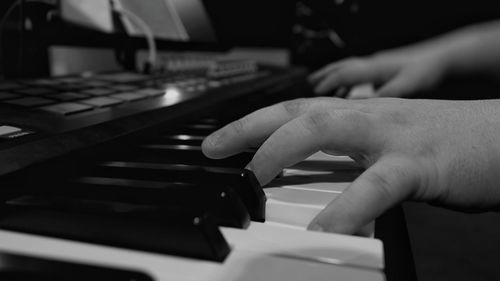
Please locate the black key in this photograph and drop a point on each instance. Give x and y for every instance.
(184, 154)
(17, 267)
(196, 129)
(242, 181)
(185, 139)
(209, 120)
(173, 232)
(218, 200)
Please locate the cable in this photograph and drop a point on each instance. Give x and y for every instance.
(147, 32)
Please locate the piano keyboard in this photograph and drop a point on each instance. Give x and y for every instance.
(117, 197)
(169, 169)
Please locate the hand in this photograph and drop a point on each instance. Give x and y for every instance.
(444, 152)
(396, 73)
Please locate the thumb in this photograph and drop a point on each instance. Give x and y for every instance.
(387, 182)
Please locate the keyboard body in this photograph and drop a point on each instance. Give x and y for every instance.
(135, 139)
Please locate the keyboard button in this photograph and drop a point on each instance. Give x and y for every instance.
(95, 83)
(70, 80)
(7, 95)
(71, 87)
(101, 101)
(67, 108)
(123, 87)
(43, 82)
(98, 92)
(69, 96)
(151, 92)
(123, 77)
(30, 101)
(129, 96)
(35, 91)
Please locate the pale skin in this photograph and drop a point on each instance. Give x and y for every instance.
(406, 71)
(444, 152)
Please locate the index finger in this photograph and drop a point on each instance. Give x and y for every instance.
(344, 131)
(252, 130)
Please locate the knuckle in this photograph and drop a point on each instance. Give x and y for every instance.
(382, 184)
(402, 116)
(265, 157)
(321, 121)
(318, 121)
(353, 118)
(294, 107)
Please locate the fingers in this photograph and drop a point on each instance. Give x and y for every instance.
(252, 130)
(339, 130)
(403, 85)
(389, 181)
(347, 74)
(318, 75)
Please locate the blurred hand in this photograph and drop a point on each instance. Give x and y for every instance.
(444, 152)
(395, 73)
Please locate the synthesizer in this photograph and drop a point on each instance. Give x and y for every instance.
(103, 175)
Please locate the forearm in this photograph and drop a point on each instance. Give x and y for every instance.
(473, 50)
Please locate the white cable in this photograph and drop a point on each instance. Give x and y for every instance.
(145, 28)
